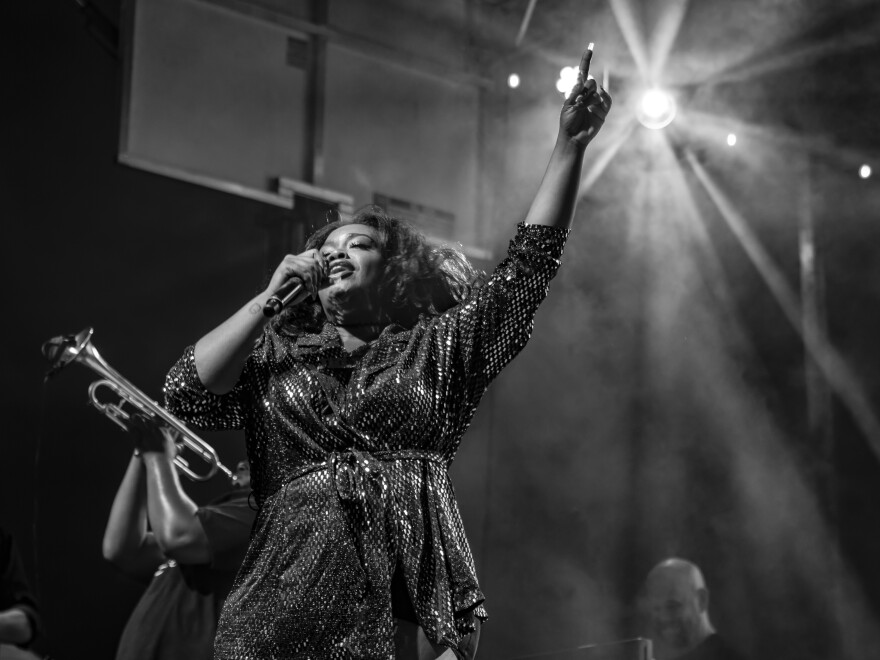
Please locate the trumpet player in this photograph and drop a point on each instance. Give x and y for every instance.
(186, 554)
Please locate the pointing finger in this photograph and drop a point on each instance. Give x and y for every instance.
(586, 58)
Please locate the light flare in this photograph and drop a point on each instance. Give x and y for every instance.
(656, 109)
(567, 79)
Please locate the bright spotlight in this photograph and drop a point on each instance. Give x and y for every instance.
(731, 139)
(567, 78)
(865, 171)
(656, 109)
(513, 81)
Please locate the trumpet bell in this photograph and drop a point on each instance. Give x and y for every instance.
(64, 349)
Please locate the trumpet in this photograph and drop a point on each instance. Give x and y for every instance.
(64, 349)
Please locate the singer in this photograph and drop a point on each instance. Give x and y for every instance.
(353, 404)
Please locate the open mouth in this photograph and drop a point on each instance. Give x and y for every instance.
(341, 270)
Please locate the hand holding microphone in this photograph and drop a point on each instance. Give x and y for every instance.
(292, 292)
(296, 278)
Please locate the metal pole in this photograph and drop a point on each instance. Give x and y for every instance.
(316, 93)
(818, 392)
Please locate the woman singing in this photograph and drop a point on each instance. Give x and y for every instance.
(353, 405)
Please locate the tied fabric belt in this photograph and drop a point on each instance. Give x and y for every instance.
(352, 469)
(361, 485)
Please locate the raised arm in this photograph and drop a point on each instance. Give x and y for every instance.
(152, 519)
(583, 114)
(172, 514)
(496, 321)
(221, 354)
(128, 543)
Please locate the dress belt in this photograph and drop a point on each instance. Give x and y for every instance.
(352, 468)
(362, 487)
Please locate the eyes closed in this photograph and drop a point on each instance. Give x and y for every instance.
(360, 244)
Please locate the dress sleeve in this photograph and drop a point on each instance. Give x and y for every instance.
(187, 398)
(228, 528)
(494, 323)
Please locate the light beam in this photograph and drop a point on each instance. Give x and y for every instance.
(832, 366)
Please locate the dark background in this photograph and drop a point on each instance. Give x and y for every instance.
(662, 405)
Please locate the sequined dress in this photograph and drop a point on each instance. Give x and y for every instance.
(349, 461)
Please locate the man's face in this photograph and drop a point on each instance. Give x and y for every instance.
(674, 616)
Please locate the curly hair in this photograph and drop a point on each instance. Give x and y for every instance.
(419, 279)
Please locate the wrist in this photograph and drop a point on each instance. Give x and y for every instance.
(152, 455)
(257, 303)
(567, 144)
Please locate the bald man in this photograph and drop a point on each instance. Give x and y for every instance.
(676, 603)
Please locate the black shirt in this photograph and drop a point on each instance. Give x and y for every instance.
(176, 618)
(713, 648)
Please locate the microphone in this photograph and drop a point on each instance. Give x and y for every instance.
(292, 292)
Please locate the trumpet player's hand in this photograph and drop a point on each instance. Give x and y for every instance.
(150, 437)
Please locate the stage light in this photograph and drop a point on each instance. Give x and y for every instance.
(656, 109)
(567, 78)
(865, 171)
(731, 139)
(513, 81)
